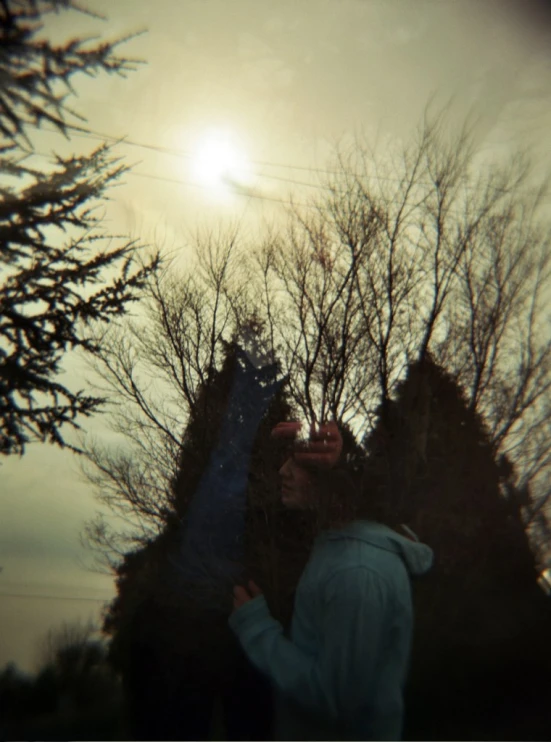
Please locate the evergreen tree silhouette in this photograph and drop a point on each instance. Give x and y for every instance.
(480, 618)
(175, 656)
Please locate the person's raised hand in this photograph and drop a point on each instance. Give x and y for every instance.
(242, 595)
(321, 450)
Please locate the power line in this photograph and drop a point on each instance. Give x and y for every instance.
(178, 153)
(243, 193)
(54, 597)
(98, 136)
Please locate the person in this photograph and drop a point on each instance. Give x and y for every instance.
(341, 672)
(181, 655)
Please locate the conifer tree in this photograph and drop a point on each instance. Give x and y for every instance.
(480, 617)
(158, 627)
(59, 273)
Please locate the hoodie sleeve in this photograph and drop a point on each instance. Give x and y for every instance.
(339, 682)
(211, 541)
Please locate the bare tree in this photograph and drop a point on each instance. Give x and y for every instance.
(154, 368)
(452, 258)
(406, 253)
(497, 339)
(66, 642)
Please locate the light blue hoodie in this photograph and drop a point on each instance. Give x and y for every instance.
(341, 674)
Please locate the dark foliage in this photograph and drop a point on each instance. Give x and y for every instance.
(480, 666)
(175, 660)
(56, 264)
(75, 695)
(480, 617)
(36, 75)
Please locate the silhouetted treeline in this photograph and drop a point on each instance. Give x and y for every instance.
(480, 665)
(75, 696)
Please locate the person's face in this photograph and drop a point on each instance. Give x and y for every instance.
(296, 486)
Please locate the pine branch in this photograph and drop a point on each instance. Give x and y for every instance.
(36, 77)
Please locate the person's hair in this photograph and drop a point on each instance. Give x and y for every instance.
(354, 490)
(360, 486)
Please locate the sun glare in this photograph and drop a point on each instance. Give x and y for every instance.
(220, 165)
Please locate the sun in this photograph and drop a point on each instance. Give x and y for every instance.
(219, 163)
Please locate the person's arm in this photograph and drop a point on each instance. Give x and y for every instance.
(211, 542)
(339, 683)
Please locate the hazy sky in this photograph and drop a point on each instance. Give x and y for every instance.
(285, 79)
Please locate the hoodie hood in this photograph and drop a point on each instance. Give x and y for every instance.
(417, 557)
